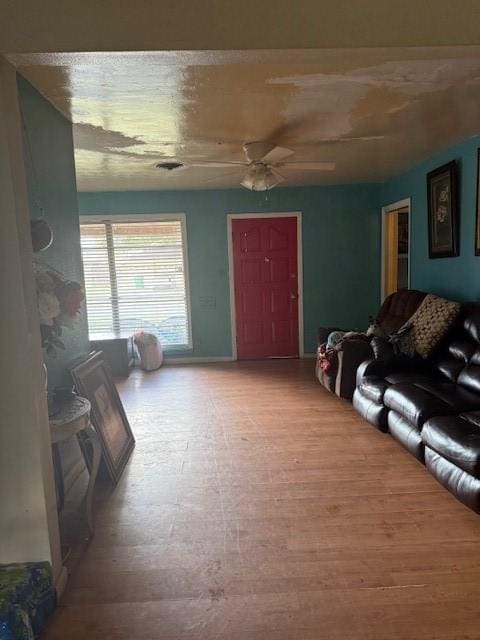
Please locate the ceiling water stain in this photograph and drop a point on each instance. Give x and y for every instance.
(391, 101)
(96, 138)
(371, 111)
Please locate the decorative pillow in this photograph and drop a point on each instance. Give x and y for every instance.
(430, 323)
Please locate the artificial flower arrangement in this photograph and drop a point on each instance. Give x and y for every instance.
(59, 302)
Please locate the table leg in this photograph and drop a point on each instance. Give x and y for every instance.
(59, 480)
(91, 438)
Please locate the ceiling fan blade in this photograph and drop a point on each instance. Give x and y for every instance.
(278, 176)
(291, 129)
(308, 166)
(276, 155)
(214, 164)
(255, 151)
(348, 139)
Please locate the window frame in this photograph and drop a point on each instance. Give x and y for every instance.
(156, 217)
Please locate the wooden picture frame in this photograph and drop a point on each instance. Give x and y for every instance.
(477, 218)
(443, 224)
(93, 381)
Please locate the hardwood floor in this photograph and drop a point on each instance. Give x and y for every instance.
(258, 506)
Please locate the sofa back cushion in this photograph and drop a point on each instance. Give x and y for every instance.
(458, 358)
(398, 308)
(469, 377)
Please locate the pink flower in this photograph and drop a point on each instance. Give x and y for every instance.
(59, 302)
(71, 298)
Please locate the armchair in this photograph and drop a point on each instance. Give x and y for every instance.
(341, 374)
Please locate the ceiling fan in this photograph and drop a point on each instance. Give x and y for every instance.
(262, 160)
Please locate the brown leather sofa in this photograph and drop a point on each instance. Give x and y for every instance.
(341, 378)
(432, 407)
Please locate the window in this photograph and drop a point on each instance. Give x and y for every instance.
(135, 279)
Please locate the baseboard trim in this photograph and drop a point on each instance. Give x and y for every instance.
(198, 360)
(61, 582)
(204, 360)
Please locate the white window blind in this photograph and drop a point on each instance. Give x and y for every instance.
(135, 280)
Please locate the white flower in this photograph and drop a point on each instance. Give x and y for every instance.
(442, 213)
(44, 281)
(48, 307)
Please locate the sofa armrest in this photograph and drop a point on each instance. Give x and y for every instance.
(324, 332)
(350, 356)
(371, 367)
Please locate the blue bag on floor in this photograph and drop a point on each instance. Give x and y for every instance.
(5, 633)
(27, 598)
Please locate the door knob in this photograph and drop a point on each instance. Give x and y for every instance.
(294, 296)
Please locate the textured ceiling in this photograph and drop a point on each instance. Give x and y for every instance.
(373, 112)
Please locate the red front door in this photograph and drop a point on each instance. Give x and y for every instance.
(266, 287)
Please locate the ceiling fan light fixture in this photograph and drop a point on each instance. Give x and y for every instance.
(261, 178)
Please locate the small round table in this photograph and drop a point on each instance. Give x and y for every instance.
(72, 420)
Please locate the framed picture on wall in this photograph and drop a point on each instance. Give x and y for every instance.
(443, 212)
(93, 380)
(477, 223)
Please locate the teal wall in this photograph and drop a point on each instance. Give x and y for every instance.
(341, 245)
(459, 277)
(49, 162)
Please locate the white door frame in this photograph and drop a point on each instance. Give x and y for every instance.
(233, 322)
(406, 202)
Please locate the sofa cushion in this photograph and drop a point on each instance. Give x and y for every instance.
(470, 377)
(458, 398)
(408, 436)
(373, 412)
(413, 377)
(455, 438)
(461, 349)
(471, 322)
(459, 482)
(473, 417)
(373, 387)
(449, 367)
(414, 404)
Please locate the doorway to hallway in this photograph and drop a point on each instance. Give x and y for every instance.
(395, 247)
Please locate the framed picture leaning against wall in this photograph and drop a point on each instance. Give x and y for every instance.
(93, 380)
